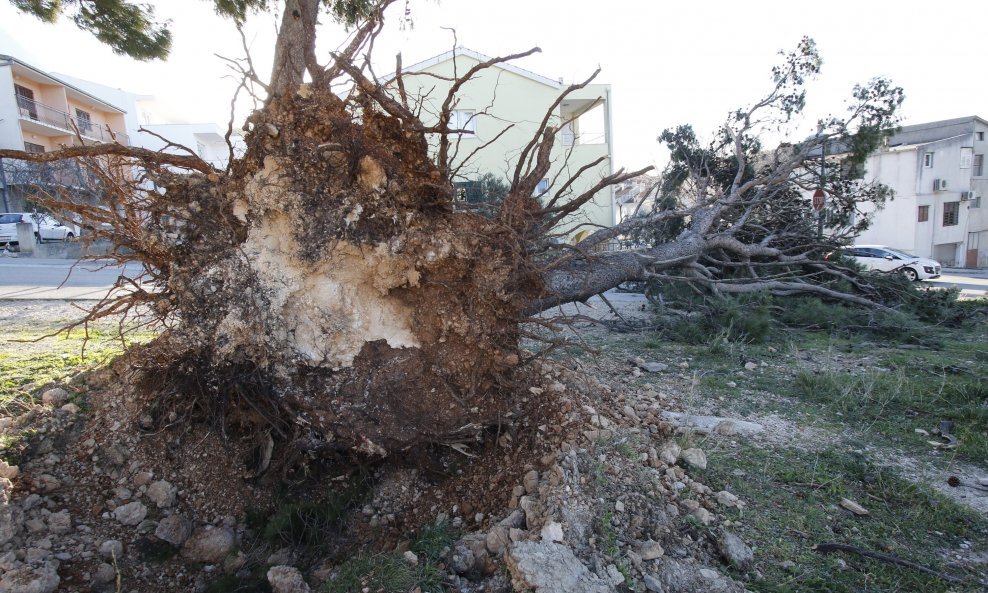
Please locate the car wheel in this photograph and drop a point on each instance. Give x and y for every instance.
(910, 274)
(69, 236)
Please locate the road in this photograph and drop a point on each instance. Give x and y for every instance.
(30, 279)
(59, 279)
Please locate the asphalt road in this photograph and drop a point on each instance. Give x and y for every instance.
(59, 279)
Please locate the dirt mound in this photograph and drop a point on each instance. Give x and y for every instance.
(113, 487)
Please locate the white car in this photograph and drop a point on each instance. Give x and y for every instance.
(46, 228)
(887, 259)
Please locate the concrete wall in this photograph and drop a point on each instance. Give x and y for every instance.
(512, 98)
(10, 129)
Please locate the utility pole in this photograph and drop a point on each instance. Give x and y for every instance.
(820, 196)
(3, 187)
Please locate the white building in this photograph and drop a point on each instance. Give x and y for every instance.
(937, 172)
(143, 112)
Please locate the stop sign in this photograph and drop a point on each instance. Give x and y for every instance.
(819, 199)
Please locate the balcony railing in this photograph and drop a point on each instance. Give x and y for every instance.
(34, 111)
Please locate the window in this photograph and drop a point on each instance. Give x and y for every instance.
(25, 102)
(928, 160)
(951, 211)
(978, 169)
(924, 214)
(976, 202)
(83, 120)
(465, 120)
(33, 148)
(979, 136)
(542, 187)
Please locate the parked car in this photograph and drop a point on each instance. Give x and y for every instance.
(887, 259)
(46, 228)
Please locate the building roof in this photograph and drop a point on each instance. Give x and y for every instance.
(476, 55)
(942, 123)
(914, 146)
(6, 60)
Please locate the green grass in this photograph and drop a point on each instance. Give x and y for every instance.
(916, 394)
(390, 572)
(792, 503)
(23, 361)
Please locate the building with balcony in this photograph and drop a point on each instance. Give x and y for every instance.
(498, 112)
(41, 113)
(937, 171)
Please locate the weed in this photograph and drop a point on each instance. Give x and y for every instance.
(608, 534)
(307, 523)
(384, 573)
(434, 539)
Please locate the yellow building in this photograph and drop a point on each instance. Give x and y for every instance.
(503, 106)
(40, 113)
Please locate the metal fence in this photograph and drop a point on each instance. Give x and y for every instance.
(39, 112)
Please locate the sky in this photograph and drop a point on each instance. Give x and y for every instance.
(668, 62)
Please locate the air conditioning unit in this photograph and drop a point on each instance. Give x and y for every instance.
(939, 185)
(967, 195)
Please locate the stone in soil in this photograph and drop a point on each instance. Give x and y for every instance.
(55, 397)
(695, 457)
(174, 529)
(25, 579)
(734, 551)
(162, 493)
(549, 567)
(287, 579)
(131, 513)
(209, 544)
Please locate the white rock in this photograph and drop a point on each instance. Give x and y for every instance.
(287, 579)
(727, 499)
(750, 366)
(131, 513)
(650, 550)
(209, 544)
(411, 558)
(60, 522)
(548, 567)
(552, 532)
(695, 457)
(162, 493)
(111, 549)
(8, 472)
(670, 453)
(55, 397)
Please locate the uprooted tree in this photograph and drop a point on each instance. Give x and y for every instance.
(326, 283)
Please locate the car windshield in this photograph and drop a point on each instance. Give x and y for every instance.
(9, 218)
(902, 254)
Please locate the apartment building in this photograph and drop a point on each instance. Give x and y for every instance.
(40, 113)
(937, 171)
(498, 112)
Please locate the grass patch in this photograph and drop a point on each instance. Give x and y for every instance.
(897, 402)
(390, 572)
(53, 359)
(308, 523)
(792, 503)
